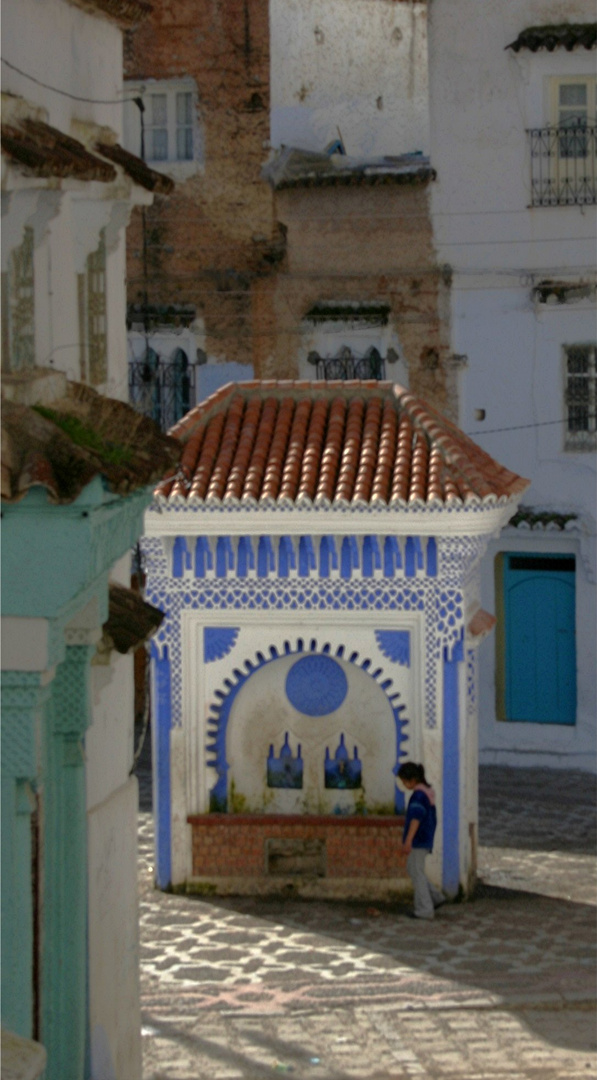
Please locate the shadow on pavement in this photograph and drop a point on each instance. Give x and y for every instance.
(538, 809)
(497, 928)
(534, 953)
(290, 1053)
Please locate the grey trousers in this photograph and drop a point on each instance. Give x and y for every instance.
(426, 894)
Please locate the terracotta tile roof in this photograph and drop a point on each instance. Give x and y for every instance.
(46, 151)
(329, 443)
(306, 168)
(567, 36)
(136, 168)
(552, 520)
(80, 436)
(49, 152)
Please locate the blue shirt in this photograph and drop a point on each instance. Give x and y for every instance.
(420, 809)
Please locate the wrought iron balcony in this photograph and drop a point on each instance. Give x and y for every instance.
(162, 388)
(563, 166)
(348, 366)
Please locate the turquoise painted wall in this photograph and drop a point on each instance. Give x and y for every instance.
(64, 917)
(23, 697)
(50, 554)
(56, 561)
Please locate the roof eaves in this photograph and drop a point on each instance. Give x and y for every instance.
(136, 168)
(81, 436)
(359, 177)
(50, 152)
(567, 36)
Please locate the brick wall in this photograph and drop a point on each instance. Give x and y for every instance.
(253, 261)
(280, 846)
(209, 241)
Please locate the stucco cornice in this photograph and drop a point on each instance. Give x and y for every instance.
(479, 519)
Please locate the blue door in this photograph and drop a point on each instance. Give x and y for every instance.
(540, 646)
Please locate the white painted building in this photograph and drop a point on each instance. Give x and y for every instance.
(349, 70)
(512, 104)
(67, 192)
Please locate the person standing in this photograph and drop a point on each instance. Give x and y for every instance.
(417, 839)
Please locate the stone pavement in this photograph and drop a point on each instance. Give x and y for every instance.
(499, 988)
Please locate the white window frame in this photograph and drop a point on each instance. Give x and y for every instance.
(556, 82)
(580, 440)
(566, 159)
(178, 168)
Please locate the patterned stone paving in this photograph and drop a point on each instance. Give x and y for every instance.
(500, 988)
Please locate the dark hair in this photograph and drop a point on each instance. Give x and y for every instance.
(410, 771)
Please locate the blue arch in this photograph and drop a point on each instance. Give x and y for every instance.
(220, 712)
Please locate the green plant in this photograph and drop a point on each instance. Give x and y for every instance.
(83, 435)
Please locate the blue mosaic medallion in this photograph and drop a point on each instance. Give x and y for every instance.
(316, 685)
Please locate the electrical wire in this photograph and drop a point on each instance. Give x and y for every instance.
(66, 93)
(516, 427)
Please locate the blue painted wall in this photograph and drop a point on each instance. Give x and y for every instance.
(451, 771)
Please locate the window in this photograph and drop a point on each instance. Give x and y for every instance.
(18, 334)
(184, 126)
(580, 397)
(563, 163)
(572, 116)
(170, 121)
(92, 317)
(536, 638)
(157, 128)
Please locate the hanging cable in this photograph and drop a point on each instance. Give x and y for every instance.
(65, 93)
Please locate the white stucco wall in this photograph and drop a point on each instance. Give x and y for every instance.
(68, 49)
(357, 66)
(74, 59)
(483, 97)
(262, 715)
(114, 1010)
(112, 804)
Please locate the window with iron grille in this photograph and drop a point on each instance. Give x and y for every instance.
(580, 397)
(563, 154)
(348, 365)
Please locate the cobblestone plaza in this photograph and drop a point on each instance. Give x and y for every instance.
(499, 988)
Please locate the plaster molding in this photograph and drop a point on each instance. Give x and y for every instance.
(253, 519)
(70, 692)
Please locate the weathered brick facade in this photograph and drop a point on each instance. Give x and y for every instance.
(361, 244)
(215, 235)
(254, 260)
